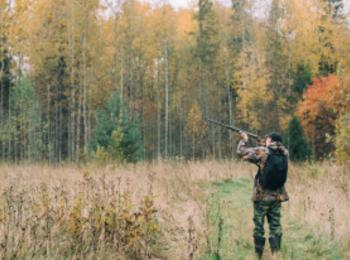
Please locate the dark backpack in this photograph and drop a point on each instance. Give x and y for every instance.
(274, 174)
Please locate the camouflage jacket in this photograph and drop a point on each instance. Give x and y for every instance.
(258, 156)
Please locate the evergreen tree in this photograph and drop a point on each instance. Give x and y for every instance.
(6, 84)
(333, 15)
(297, 144)
(240, 21)
(24, 124)
(335, 9)
(116, 133)
(207, 37)
(205, 55)
(6, 77)
(302, 79)
(277, 64)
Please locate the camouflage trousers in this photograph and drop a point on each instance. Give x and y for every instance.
(272, 210)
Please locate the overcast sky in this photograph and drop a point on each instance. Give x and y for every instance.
(185, 3)
(259, 7)
(179, 3)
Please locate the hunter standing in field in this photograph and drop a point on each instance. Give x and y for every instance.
(269, 191)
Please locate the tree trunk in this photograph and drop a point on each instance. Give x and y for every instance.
(85, 112)
(71, 133)
(181, 129)
(159, 111)
(166, 82)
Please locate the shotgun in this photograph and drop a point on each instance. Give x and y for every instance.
(233, 128)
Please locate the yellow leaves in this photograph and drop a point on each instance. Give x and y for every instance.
(75, 220)
(342, 151)
(303, 23)
(195, 125)
(3, 4)
(308, 41)
(252, 78)
(185, 24)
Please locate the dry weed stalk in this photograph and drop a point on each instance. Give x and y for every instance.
(192, 241)
(96, 218)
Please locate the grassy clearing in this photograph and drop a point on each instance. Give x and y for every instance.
(231, 223)
(166, 210)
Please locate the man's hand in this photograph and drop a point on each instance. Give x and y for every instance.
(262, 141)
(244, 136)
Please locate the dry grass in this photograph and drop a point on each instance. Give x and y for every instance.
(321, 197)
(148, 210)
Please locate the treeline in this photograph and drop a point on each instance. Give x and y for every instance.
(132, 80)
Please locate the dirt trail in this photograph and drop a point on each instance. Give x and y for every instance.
(231, 228)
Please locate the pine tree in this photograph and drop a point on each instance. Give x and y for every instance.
(6, 73)
(240, 21)
(277, 63)
(116, 133)
(6, 84)
(24, 124)
(6, 77)
(207, 37)
(333, 16)
(335, 8)
(301, 80)
(205, 56)
(296, 141)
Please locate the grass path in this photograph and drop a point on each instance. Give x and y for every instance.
(231, 228)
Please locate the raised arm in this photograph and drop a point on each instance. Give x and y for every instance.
(250, 154)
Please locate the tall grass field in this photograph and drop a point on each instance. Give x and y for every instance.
(166, 210)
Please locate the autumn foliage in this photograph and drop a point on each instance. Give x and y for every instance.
(323, 101)
(61, 61)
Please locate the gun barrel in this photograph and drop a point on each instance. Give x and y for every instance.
(233, 128)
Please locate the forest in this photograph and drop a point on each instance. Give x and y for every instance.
(105, 147)
(131, 80)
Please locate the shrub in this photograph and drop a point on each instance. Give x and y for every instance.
(117, 136)
(342, 151)
(322, 102)
(296, 141)
(97, 220)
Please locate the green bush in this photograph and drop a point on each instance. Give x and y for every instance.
(296, 141)
(116, 136)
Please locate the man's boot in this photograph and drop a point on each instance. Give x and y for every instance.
(259, 243)
(275, 243)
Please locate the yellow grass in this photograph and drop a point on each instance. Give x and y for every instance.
(319, 197)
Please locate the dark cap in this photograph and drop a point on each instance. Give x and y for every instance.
(275, 137)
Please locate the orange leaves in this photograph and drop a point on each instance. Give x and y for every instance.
(328, 92)
(323, 101)
(321, 92)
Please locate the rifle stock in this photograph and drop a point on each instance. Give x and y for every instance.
(233, 128)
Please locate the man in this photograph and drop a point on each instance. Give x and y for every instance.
(269, 192)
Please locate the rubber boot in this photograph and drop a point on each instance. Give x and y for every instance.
(275, 244)
(259, 243)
